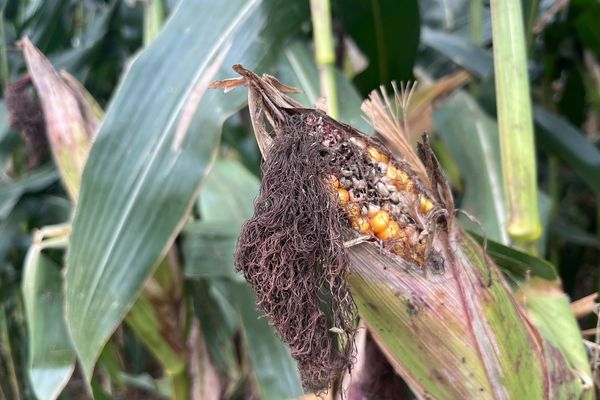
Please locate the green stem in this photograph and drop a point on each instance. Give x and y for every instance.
(515, 122)
(476, 32)
(324, 52)
(598, 215)
(180, 386)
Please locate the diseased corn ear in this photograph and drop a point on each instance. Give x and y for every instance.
(337, 208)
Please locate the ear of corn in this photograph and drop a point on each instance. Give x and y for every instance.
(438, 308)
(68, 114)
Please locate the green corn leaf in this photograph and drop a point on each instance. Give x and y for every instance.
(51, 358)
(517, 264)
(567, 142)
(152, 153)
(460, 50)
(10, 193)
(471, 137)
(227, 200)
(272, 364)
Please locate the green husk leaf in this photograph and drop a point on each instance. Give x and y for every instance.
(452, 319)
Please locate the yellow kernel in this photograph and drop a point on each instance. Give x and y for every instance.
(380, 221)
(401, 181)
(374, 153)
(392, 172)
(334, 181)
(343, 195)
(377, 156)
(425, 205)
(402, 176)
(391, 231)
(361, 224)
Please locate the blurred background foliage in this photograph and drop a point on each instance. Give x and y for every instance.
(376, 42)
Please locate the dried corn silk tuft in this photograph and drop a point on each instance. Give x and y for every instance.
(292, 254)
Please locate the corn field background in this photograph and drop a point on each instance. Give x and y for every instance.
(125, 182)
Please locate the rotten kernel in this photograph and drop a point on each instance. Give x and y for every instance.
(372, 210)
(383, 167)
(345, 183)
(382, 190)
(359, 184)
(361, 225)
(346, 172)
(356, 195)
(395, 211)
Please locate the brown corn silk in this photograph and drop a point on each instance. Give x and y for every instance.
(335, 206)
(27, 116)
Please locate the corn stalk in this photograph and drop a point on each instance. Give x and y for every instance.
(515, 122)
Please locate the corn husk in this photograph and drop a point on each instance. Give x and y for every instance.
(71, 119)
